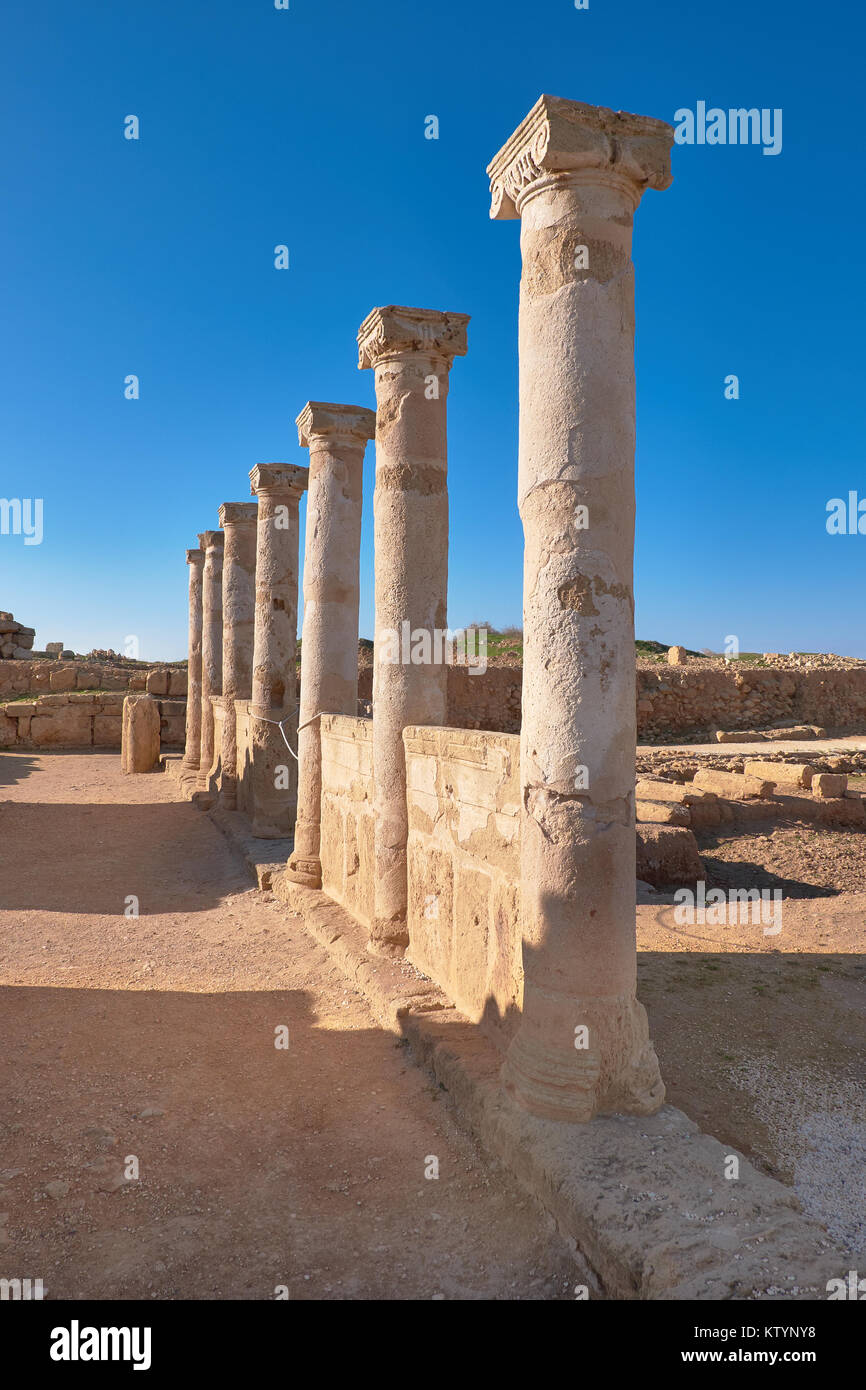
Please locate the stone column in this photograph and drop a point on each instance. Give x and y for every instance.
(211, 645)
(273, 789)
(574, 175)
(411, 351)
(238, 520)
(195, 560)
(336, 436)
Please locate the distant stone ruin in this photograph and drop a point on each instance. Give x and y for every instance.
(16, 640)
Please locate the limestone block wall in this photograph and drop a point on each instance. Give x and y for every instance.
(40, 676)
(697, 702)
(686, 704)
(488, 701)
(347, 813)
(463, 792)
(80, 719)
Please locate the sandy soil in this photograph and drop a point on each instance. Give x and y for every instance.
(152, 1037)
(761, 1041)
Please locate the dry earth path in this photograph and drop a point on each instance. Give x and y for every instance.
(152, 1038)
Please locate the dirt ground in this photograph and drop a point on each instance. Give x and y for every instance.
(153, 1038)
(761, 1041)
(761, 1038)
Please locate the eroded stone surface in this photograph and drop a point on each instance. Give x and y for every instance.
(139, 751)
(336, 436)
(574, 175)
(192, 748)
(238, 520)
(411, 352)
(211, 542)
(270, 795)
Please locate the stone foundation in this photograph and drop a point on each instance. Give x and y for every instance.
(463, 795)
(81, 719)
(348, 866)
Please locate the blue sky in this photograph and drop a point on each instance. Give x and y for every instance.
(306, 127)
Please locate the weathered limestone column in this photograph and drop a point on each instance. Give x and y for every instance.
(211, 645)
(238, 520)
(195, 560)
(411, 351)
(336, 436)
(574, 175)
(279, 488)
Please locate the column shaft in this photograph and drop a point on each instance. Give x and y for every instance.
(192, 749)
(575, 174)
(336, 436)
(211, 645)
(238, 520)
(273, 771)
(412, 351)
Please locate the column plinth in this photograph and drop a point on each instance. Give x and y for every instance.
(574, 174)
(411, 352)
(238, 520)
(273, 780)
(192, 748)
(211, 543)
(336, 436)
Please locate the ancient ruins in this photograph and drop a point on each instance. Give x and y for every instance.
(502, 868)
(466, 846)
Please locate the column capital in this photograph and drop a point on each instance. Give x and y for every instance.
(397, 331)
(353, 424)
(195, 557)
(278, 480)
(582, 144)
(210, 540)
(233, 512)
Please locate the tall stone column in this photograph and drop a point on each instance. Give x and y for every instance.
(336, 436)
(279, 488)
(211, 645)
(411, 351)
(238, 520)
(192, 749)
(574, 175)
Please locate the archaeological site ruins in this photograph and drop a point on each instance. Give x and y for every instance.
(498, 856)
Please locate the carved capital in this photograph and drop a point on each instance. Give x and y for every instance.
(396, 331)
(232, 512)
(568, 138)
(195, 557)
(352, 424)
(280, 480)
(211, 540)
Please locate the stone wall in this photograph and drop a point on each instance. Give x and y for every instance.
(347, 813)
(80, 719)
(463, 792)
(686, 704)
(41, 676)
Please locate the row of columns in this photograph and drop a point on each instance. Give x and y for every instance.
(573, 175)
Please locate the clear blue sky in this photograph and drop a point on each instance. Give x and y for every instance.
(306, 127)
